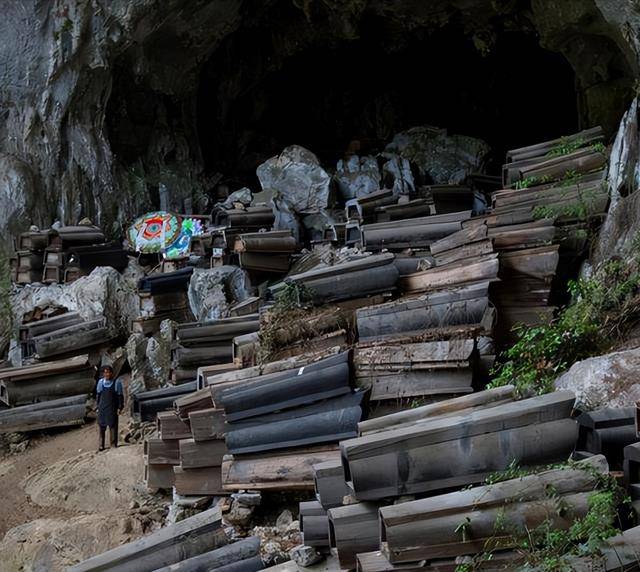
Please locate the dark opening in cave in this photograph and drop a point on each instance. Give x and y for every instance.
(324, 97)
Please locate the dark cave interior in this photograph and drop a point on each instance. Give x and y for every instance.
(277, 81)
(326, 97)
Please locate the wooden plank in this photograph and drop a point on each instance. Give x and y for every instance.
(207, 424)
(289, 470)
(455, 274)
(161, 452)
(202, 481)
(329, 483)
(168, 545)
(459, 405)
(198, 454)
(170, 426)
(353, 529)
(43, 419)
(245, 551)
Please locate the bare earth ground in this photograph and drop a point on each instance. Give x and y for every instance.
(61, 501)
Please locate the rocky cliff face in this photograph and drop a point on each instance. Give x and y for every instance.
(103, 102)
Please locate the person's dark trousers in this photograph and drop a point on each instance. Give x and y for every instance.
(113, 433)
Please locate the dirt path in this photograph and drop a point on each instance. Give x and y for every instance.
(45, 450)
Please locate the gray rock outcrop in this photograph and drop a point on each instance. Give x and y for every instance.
(438, 156)
(609, 380)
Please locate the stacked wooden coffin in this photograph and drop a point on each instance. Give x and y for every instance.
(195, 543)
(64, 254)
(279, 424)
(267, 252)
(363, 276)
(188, 449)
(203, 343)
(46, 395)
(433, 448)
(163, 296)
(541, 227)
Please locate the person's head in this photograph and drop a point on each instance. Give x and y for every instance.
(107, 372)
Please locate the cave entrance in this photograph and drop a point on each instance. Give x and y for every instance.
(510, 94)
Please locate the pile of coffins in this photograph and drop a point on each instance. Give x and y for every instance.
(268, 252)
(198, 344)
(374, 396)
(433, 448)
(45, 395)
(163, 296)
(64, 254)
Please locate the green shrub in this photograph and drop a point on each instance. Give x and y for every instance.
(604, 306)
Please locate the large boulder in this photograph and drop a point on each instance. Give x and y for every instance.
(213, 291)
(296, 179)
(103, 293)
(397, 175)
(150, 359)
(357, 176)
(438, 156)
(609, 380)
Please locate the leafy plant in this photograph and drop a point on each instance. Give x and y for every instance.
(603, 308)
(566, 147)
(546, 548)
(525, 183)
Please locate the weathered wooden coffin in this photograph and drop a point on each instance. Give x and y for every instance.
(465, 305)
(324, 422)
(460, 450)
(159, 476)
(456, 406)
(352, 529)
(329, 483)
(197, 454)
(43, 382)
(195, 401)
(318, 381)
(352, 279)
(170, 426)
(458, 273)
(407, 370)
(160, 452)
(241, 556)
(45, 415)
(427, 528)
(207, 424)
(288, 470)
(174, 543)
(201, 481)
(314, 524)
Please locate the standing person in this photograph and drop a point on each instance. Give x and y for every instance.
(110, 401)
